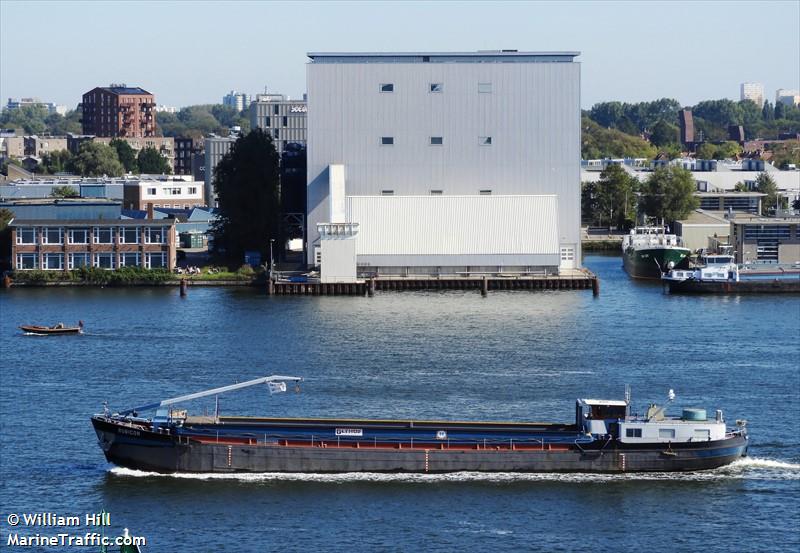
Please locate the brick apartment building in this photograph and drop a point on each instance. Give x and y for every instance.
(58, 245)
(119, 111)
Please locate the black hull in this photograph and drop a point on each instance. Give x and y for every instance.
(741, 287)
(149, 451)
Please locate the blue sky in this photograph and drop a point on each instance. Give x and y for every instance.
(195, 52)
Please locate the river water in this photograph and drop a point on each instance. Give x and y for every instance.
(510, 356)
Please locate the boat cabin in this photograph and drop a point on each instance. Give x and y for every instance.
(600, 416)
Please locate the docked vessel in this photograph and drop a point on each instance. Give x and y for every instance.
(56, 329)
(647, 252)
(719, 274)
(605, 437)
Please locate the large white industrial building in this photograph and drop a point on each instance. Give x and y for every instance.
(443, 163)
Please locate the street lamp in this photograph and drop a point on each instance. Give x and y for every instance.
(271, 262)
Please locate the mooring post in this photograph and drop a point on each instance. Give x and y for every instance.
(371, 287)
(596, 286)
(184, 287)
(270, 286)
(485, 287)
(6, 281)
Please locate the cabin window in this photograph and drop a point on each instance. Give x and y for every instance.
(702, 434)
(666, 433)
(633, 432)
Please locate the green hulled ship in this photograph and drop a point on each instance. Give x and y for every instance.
(647, 252)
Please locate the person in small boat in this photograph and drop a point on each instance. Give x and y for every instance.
(59, 326)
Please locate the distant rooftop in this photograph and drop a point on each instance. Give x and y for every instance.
(60, 201)
(480, 56)
(90, 222)
(125, 90)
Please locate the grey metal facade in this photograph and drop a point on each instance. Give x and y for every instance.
(284, 120)
(438, 114)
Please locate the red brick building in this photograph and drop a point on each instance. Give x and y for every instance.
(62, 245)
(119, 111)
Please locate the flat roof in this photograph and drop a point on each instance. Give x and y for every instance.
(703, 217)
(744, 218)
(434, 57)
(91, 222)
(730, 194)
(60, 201)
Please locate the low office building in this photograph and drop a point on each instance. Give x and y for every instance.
(56, 245)
(766, 239)
(170, 192)
(701, 225)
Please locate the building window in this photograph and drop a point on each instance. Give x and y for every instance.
(436, 87)
(387, 140)
(633, 432)
(156, 260)
(666, 433)
(436, 192)
(285, 121)
(27, 261)
(103, 235)
(104, 260)
(26, 235)
(129, 235)
(387, 192)
(151, 191)
(485, 140)
(53, 262)
(192, 190)
(387, 87)
(52, 235)
(129, 259)
(79, 236)
(275, 109)
(155, 235)
(78, 260)
(486, 192)
(437, 141)
(266, 121)
(485, 88)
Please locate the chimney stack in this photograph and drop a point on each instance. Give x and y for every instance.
(149, 210)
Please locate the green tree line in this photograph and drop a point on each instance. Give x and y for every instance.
(95, 159)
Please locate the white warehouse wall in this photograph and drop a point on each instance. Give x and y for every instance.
(532, 114)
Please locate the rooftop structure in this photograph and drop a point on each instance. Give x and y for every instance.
(752, 91)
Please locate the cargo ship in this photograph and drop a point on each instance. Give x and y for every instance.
(719, 274)
(604, 438)
(647, 252)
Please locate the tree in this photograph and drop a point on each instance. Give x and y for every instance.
(64, 192)
(728, 150)
(95, 160)
(5, 218)
(768, 112)
(669, 194)
(616, 197)
(59, 161)
(597, 142)
(153, 163)
(706, 150)
(766, 185)
(780, 110)
(664, 134)
(740, 187)
(126, 155)
(247, 182)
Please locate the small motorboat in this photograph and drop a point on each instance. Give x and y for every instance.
(59, 328)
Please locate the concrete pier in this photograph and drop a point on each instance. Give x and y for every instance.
(575, 280)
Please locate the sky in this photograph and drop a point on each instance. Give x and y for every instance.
(194, 52)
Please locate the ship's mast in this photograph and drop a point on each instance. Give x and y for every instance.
(214, 391)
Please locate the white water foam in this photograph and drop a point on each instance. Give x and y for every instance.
(748, 468)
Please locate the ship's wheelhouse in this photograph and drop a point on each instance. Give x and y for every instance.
(600, 417)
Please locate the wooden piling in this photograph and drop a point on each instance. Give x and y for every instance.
(6, 282)
(184, 287)
(596, 286)
(485, 287)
